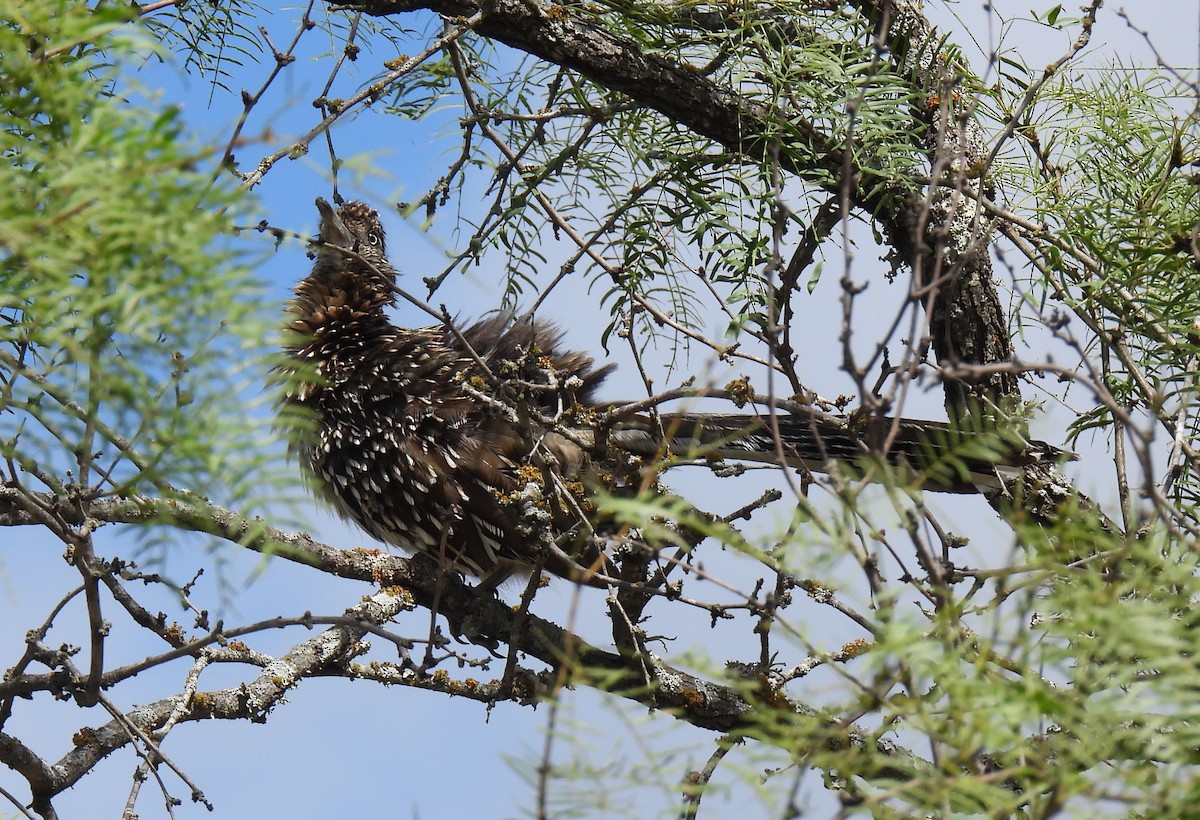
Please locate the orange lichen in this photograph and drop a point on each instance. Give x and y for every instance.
(692, 698)
(740, 392)
(527, 473)
(770, 694)
(855, 648)
(933, 102)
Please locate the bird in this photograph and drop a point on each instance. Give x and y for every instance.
(480, 446)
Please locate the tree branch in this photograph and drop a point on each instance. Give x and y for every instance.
(946, 246)
(483, 619)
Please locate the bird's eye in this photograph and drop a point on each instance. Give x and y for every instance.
(373, 239)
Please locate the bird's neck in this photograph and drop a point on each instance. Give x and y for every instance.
(329, 307)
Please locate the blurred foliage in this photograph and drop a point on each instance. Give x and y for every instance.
(130, 334)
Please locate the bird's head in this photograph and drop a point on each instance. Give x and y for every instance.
(354, 226)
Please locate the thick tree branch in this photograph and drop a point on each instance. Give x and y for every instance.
(487, 621)
(940, 237)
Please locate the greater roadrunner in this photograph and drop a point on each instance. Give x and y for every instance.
(477, 446)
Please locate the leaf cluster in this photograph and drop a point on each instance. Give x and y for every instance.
(122, 302)
(686, 210)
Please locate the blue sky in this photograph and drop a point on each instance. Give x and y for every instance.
(357, 749)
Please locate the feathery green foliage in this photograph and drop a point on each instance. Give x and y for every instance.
(128, 329)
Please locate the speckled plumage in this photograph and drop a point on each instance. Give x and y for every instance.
(430, 439)
(408, 443)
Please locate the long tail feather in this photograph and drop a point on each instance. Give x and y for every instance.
(944, 458)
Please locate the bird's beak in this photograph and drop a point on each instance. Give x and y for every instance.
(333, 231)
